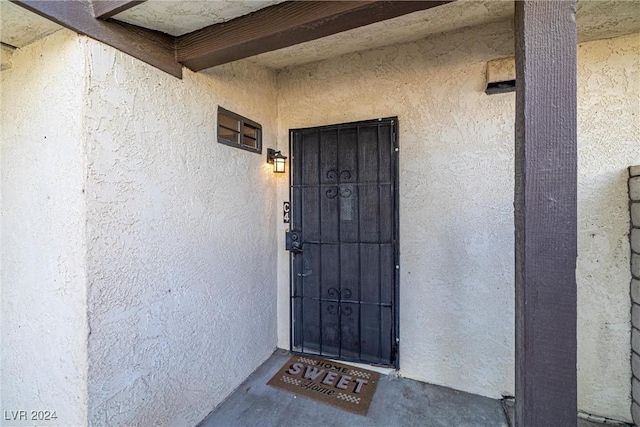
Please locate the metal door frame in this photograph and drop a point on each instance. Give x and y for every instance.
(396, 233)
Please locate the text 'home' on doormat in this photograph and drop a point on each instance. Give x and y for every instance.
(340, 385)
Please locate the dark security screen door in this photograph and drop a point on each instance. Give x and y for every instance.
(344, 208)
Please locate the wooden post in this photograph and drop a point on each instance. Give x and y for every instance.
(545, 213)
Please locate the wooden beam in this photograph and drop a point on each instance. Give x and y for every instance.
(545, 213)
(154, 48)
(282, 25)
(104, 9)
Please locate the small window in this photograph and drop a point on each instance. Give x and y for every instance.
(239, 131)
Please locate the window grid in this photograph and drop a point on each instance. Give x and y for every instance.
(238, 131)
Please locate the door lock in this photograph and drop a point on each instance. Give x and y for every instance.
(293, 241)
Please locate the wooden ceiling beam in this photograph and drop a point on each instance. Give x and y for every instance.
(105, 9)
(154, 48)
(283, 25)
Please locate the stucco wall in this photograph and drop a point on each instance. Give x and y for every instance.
(181, 264)
(608, 142)
(43, 326)
(456, 202)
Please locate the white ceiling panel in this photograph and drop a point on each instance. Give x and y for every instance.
(177, 17)
(19, 27)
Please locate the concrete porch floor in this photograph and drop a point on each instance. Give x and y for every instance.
(397, 402)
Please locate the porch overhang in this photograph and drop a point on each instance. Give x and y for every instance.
(274, 27)
(154, 48)
(170, 34)
(283, 25)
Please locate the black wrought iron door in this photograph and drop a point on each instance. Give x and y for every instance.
(344, 213)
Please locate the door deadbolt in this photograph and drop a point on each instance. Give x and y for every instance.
(292, 242)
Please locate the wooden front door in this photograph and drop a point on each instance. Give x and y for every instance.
(344, 214)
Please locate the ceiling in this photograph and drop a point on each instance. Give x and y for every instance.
(596, 19)
(19, 27)
(177, 17)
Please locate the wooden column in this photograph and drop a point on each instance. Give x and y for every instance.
(545, 213)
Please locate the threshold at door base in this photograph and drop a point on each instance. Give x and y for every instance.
(379, 369)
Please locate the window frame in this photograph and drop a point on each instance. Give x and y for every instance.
(243, 121)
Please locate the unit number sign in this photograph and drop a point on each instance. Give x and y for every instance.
(286, 208)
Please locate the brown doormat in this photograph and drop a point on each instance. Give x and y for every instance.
(329, 382)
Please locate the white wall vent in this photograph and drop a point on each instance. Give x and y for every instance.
(501, 76)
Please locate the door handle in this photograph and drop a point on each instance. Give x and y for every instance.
(293, 242)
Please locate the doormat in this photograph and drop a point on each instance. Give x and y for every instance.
(340, 385)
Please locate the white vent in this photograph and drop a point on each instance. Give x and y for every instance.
(501, 76)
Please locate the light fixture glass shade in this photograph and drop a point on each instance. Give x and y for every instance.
(277, 159)
(278, 163)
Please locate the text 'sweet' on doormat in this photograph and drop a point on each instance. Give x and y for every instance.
(330, 382)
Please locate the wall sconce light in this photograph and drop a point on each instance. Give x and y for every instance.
(276, 159)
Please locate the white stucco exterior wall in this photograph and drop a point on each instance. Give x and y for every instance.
(608, 143)
(456, 202)
(43, 353)
(181, 239)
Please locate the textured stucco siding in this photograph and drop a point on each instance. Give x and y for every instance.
(43, 353)
(181, 239)
(456, 202)
(608, 143)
